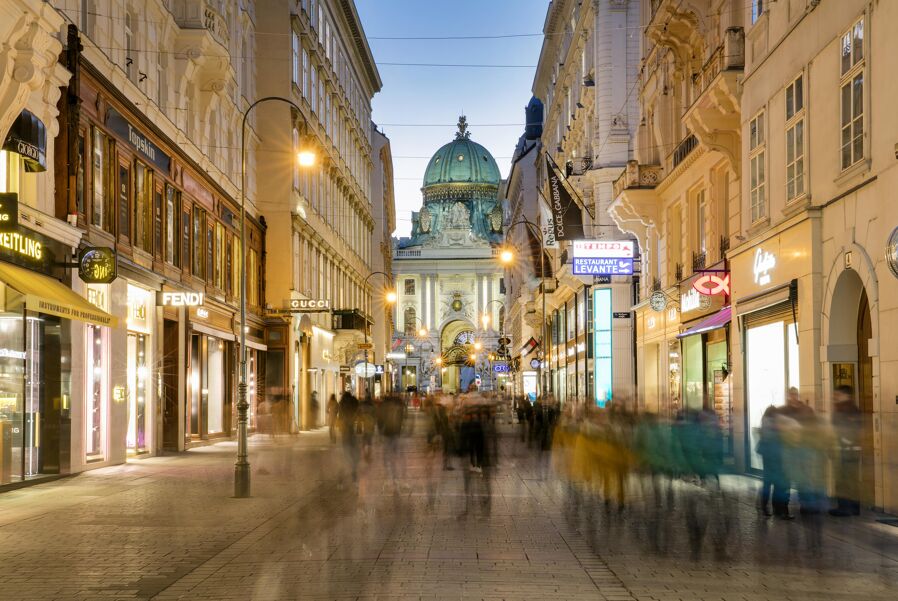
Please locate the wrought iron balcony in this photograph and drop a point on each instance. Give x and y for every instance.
(678, 272)
(698, 260)
(683, 149)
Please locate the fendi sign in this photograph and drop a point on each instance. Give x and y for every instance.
(180, 299)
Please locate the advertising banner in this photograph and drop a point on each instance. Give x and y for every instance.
(566, 215)
(606, 266)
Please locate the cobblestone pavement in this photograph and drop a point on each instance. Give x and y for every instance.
(166, 529)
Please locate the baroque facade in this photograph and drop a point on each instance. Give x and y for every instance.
(450, 306)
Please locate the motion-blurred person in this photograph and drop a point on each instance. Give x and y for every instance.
(804, 453)
(316, 408)
(391, 415)
(846, 421)
(367, 421)
(331, 416)
(347, 414)
(775, 486)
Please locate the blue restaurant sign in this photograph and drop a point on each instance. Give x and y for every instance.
(602, 266)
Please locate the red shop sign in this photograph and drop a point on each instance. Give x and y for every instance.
(712, 285)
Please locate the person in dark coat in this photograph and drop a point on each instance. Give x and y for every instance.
(774, 487)
(847, 424)
(347, 415)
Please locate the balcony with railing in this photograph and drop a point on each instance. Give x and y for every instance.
(683, 150)
(202, 15)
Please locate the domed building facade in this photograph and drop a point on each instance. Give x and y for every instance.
(450, 306)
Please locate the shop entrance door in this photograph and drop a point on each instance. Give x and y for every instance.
(137, 374)
(170, 363)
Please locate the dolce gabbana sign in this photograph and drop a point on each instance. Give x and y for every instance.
(306, 305)
(180, 299)
(138, 140)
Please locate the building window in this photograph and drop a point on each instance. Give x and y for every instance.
(313, 85)
(198, 238)
(80, 147)
(757, 9)
(295, 49)
(295, 163)
(143, 207)
(130, 55)
(219, 256)
(795, 139)
(101, 176)
(409, 319)
(305, 73)
(757, 176)
(172, 226)
(852, 95)
(701, 214)
(409, 287)
(252, 278)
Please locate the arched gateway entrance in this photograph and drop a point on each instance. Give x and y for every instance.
(850, 364)
(456, 346)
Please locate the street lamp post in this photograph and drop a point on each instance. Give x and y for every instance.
(390, 299)
(507, 257)
(241, 467)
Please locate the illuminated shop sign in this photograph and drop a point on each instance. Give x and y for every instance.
(22, 245)
(712, 284)
(603, 257)
(7, 353)
(307, 305)
(763, 265)
(603, 249)
(692, 300)
(9, 211)
(602, 346)
(180, 299)
(597, 266)
(97, 265)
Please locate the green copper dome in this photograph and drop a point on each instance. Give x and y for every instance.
(462, 161)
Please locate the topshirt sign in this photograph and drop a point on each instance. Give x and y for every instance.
(180, 299)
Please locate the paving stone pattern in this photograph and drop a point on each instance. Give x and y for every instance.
(166, 529)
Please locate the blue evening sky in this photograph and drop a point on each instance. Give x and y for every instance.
(438, 95)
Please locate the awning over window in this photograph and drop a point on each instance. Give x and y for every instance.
(718, 320)
(43, 294)
(28, 137)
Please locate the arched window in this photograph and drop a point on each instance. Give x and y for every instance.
(410, 317)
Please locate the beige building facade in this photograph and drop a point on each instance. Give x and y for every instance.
(678, 197)
(817, 255)
(320, 219)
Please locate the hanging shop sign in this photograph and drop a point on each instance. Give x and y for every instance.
(534, 363)
(365, 370)
(501, 368)
(691, 300)
(97, 265)
(307, 305)
(566, 213)
(180, 299)
(604, 249)
(602, 257)
(658, 301)
(9, 211)
(596, 266)
(892, 252)
(712, 284)
(28, 137)
(117, 123)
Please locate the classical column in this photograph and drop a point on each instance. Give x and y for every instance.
(434, 320)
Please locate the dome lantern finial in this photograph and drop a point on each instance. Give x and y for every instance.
(462, 133)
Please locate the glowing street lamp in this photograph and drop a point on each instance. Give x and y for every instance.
(478, 346)
(306, 158)
(506, 256)
(391, 297)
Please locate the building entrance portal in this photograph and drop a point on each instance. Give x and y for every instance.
(850, 331)
(456, 347)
